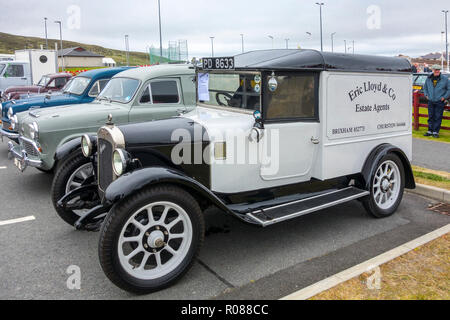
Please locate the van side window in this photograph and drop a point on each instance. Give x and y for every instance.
(15, 71)
(294, 98)
(165, 91)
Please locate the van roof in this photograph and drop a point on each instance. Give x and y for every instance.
(290, 59)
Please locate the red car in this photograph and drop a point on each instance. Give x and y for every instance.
(49, 82)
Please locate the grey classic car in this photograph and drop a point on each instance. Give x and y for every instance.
(136, 95)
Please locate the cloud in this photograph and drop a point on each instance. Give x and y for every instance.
(409, 27)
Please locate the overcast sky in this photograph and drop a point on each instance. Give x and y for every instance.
(384, 27)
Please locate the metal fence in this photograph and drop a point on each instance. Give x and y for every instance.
(417, 115)
(177, 51)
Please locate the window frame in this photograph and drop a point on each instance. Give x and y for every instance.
(148, 85)
(97, 83)
(265, 91)
(236, 71)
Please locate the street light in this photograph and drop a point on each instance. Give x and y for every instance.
(271, 37)
(345, 44)
(46, 39)
(353, 46)
(242, 40)
(127, 49)
(446, 37)
(212, 46)
(320, 4)
(332, 41)
(160, 32)
(287, 43)
(60, 39)
(443, 51)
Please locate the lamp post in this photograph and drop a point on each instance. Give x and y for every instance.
(242, 41)
(160, 32)
(46, 38)
(320, 4)
(271, 37)
(353, 46)
(127, 48)
(287, 43)
(61, 43)
(443, 50)
(345, 44)
(446, 37)
(332, 41)
(212, 46)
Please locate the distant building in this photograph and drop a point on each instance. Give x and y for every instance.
(79, 57)
(433, 56)
(109, 62)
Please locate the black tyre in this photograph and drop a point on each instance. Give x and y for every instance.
(386, 187)
(150, 239)
(71, 173)
(51, 171)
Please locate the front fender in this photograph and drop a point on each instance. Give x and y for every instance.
(137, 180)
(70, 146)
(370, 166)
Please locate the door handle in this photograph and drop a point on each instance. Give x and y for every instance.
(314, 140)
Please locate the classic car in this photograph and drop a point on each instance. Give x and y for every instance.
(51, 137)
(276, 134)
(48, 83)
(81, 89)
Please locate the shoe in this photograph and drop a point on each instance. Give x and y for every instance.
(428, 134)
(436, 135)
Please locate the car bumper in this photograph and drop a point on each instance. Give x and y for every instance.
(9, 134)
(21, 158)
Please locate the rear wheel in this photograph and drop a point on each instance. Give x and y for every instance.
(386, 187)
(150, 240)
(71, 174)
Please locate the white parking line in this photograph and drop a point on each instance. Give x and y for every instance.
(3, 167)
(359, 269)
(18, 220)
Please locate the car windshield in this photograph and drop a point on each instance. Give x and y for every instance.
(237, 90)
(119, 90)
(44, 81)
(420, 80)
(77, 85)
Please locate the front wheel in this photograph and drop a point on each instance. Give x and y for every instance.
(73, 172)
(386, 187)
(150, 239)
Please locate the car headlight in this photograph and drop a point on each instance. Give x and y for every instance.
(14, 121)
(10, 113)
(86, 146)
(9, 96)
(34, 131)
(120, 161)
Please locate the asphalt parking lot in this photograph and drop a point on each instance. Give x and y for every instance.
(237, 261)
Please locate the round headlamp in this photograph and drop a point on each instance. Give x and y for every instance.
(119, 160)
(14, 122)
(86, 146)
(34, 131)
(10, 113)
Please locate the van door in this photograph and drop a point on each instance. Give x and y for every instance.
(292, 128)
(15, 74)
(158, 99)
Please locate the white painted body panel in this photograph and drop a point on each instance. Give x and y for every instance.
(336, 154)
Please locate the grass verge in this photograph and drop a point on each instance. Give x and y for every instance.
(440, 179)
(421, 274)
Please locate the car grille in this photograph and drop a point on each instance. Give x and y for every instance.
(29, 148)
(105, 170)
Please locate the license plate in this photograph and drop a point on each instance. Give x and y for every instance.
(18, 164)
(218, 63)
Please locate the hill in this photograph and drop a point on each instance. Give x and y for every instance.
(9, 43)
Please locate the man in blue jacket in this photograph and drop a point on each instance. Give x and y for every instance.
(437, 90)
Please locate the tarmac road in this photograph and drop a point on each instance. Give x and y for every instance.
(238, 261)
(431, 154)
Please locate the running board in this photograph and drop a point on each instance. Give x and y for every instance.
(302, 207)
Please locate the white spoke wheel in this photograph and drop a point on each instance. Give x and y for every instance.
(149, 240)
(386, 188)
